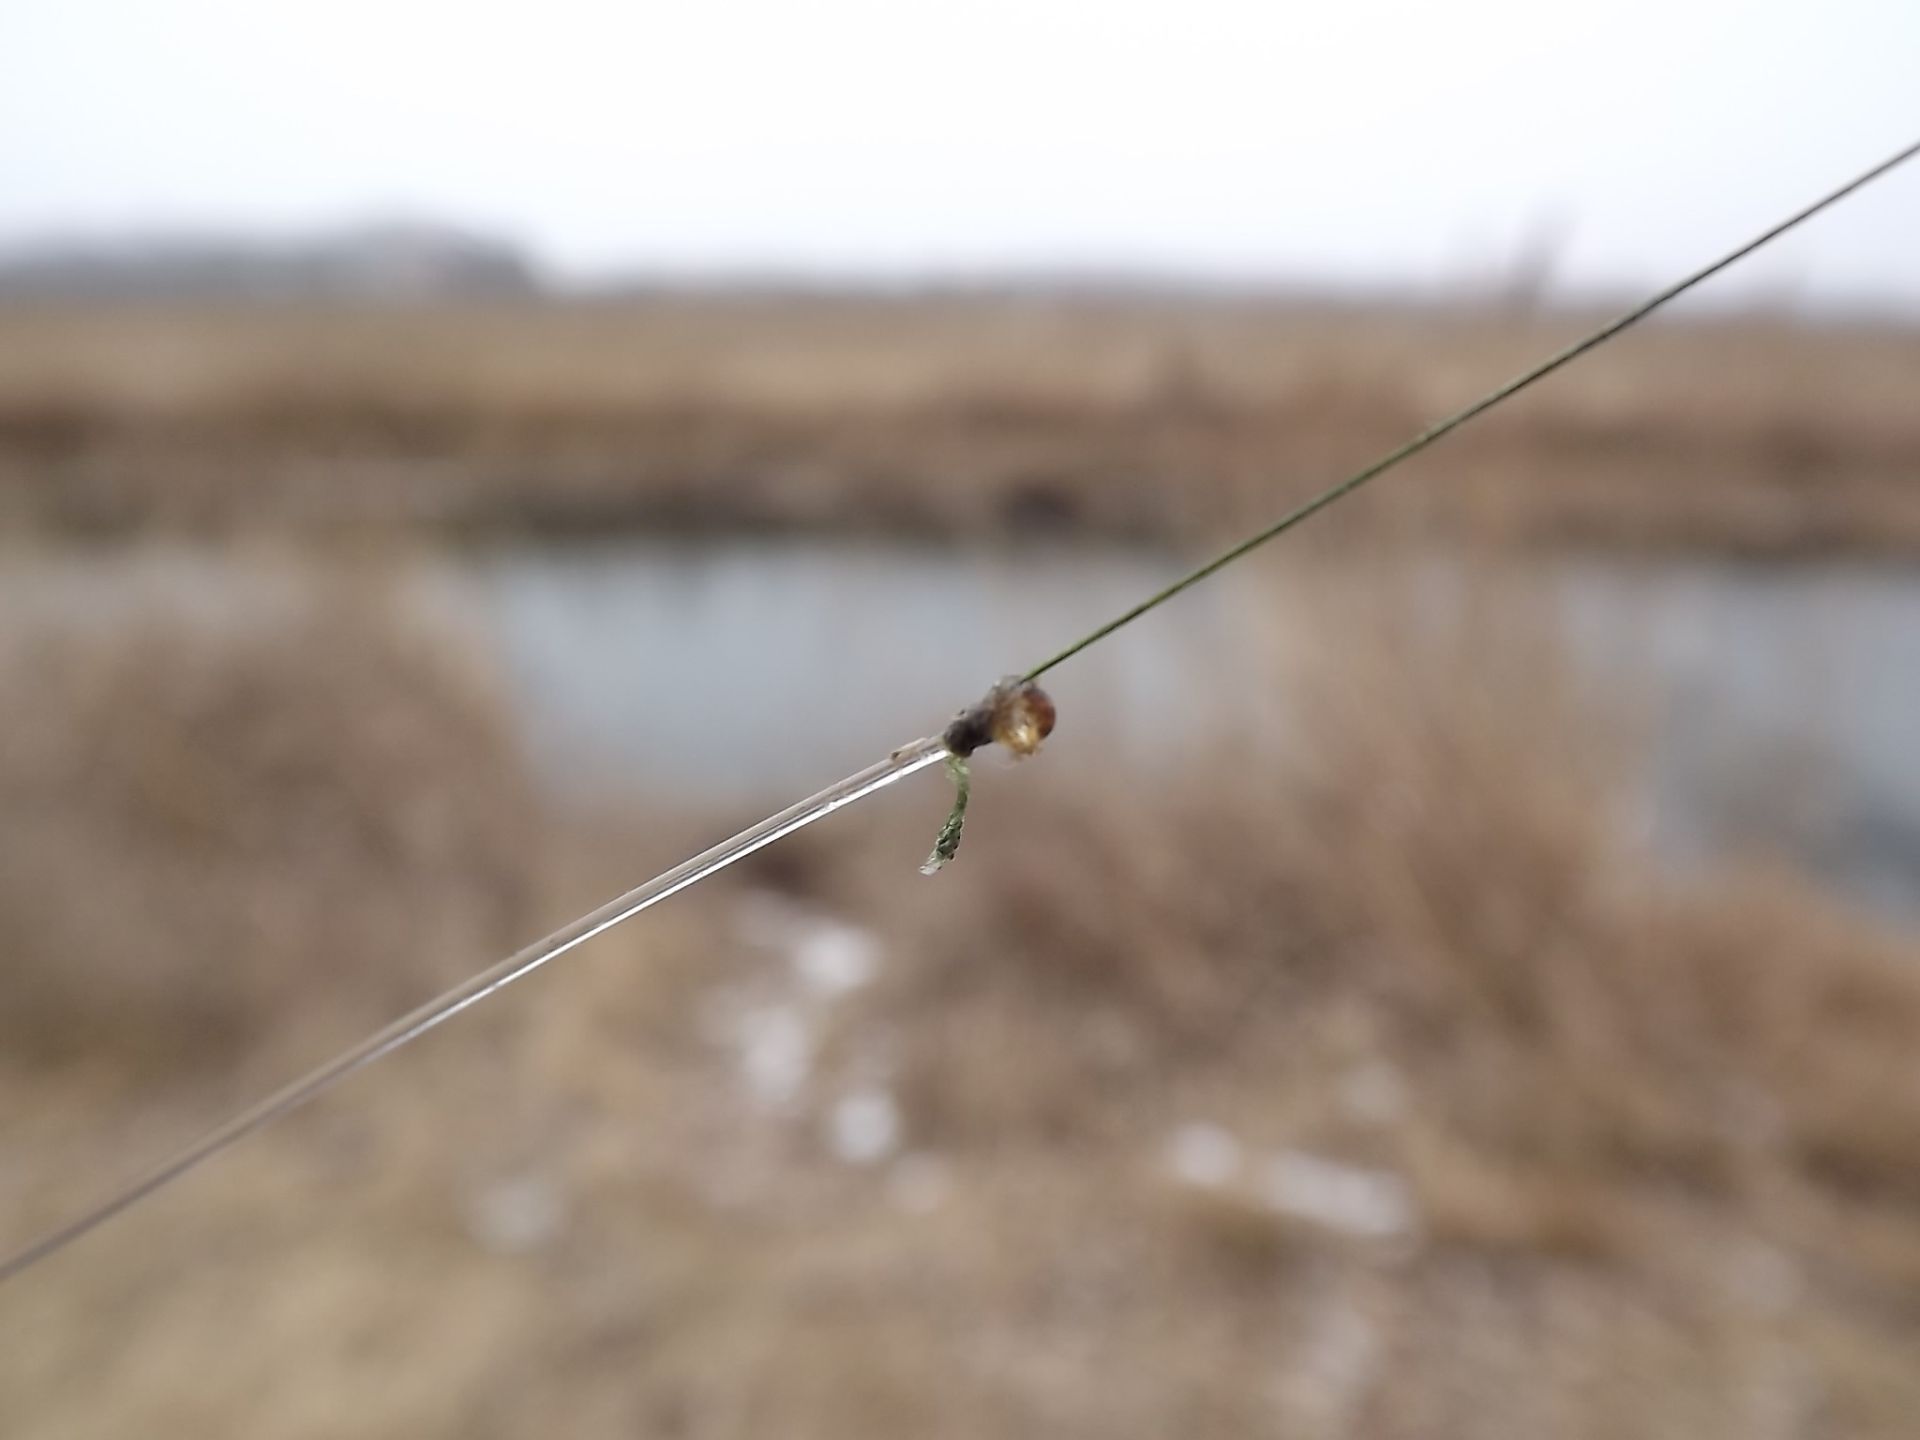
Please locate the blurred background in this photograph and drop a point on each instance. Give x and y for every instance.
(1456, 975)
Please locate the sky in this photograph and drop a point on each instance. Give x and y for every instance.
(1357, 144)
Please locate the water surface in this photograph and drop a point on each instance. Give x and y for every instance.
(1782, 702)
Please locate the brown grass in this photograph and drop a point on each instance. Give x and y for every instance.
(1660, 1137)
(272, 818)
(988, 416)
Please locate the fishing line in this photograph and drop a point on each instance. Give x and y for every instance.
(1009, 715)
(1479, 407)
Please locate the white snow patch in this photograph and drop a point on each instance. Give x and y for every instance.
(830, 957)
(864, 1127)
(1203, 1154)
(776, 1052)
(833, 959)
(516, 1215)
(1373, 1203)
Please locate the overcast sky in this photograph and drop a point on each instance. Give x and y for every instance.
(1355, 141)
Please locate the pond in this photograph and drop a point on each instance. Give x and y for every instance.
(1781, 703)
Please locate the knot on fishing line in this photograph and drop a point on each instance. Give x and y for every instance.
(1015, 713)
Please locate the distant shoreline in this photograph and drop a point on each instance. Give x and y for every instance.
(956, 417)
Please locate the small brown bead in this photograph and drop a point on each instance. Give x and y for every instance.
(1023, 716)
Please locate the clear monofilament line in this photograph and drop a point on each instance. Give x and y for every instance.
(903, 762)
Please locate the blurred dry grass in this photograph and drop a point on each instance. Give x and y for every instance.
(266, 814)
(1657, 1139)
(972, 416)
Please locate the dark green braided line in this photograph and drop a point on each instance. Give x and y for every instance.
(1453, 422)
